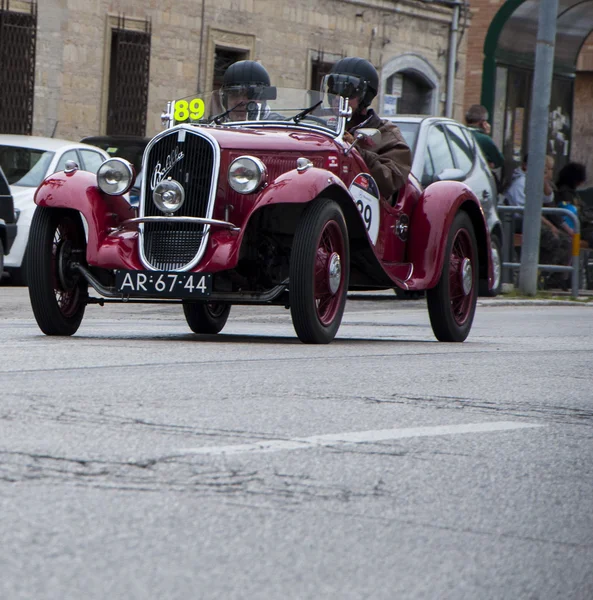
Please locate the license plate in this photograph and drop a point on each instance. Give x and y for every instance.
(163, 284)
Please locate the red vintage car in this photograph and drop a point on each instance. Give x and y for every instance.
(257, 204)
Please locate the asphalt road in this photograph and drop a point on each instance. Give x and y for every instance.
(140, 461)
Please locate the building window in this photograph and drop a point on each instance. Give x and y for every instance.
(409, 84)
(414, 93)
(321, 64)
(223, 59)
(129, 69)
(18, 34)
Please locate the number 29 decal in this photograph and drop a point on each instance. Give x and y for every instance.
(365, 193)
(188, 110)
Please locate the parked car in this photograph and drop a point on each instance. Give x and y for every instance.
(8, 217)
(26, 161)
(130, 147)
(276, 209)
(444, 149)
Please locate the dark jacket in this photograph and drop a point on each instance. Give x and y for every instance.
(488, 147)
(391, 160)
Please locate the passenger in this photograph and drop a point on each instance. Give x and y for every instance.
(555, 237)
(390, 161)
(572, 176)
(245, 90)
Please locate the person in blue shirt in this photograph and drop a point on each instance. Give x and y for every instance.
(572, 176)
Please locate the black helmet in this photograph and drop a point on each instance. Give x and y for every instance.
(354, 78)
(247, 78)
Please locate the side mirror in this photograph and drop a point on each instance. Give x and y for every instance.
(451, 175)
(369, 137)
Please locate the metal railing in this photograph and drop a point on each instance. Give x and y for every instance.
(507, 216)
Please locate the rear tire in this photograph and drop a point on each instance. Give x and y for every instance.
(58, 292)
(206, 317)
(452, 303)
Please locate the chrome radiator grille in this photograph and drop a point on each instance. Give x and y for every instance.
(191, 162)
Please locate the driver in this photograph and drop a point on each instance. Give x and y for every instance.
(245, 89)
(390, 161)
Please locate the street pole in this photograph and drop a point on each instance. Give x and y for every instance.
(451, 67)
(538, 138)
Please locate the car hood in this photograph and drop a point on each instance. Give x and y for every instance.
(268, 140)
(21, 195)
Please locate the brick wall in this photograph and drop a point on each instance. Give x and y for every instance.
(482, 13)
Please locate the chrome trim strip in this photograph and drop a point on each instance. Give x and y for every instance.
(197, 220)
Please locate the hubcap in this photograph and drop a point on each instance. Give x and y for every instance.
(334, 273)
(496, 267)
(467, 275)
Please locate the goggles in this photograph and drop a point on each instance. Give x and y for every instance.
(246, 92)
(347, 86)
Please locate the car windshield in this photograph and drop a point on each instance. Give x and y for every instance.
(268, 106)
(24, 166)
(409, 131)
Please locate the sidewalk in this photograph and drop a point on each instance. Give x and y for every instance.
(547, 298)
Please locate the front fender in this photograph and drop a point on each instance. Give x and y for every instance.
(292, 187)
(310, 183)
(78, 191)
(429, 229)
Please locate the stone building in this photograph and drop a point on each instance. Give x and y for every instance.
(110, 66)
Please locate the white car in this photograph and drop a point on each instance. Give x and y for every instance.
(26, 161)
(445, 149)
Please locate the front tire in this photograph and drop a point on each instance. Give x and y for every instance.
(452, 303)
(319, 272)
(206, 317)
(58, 293)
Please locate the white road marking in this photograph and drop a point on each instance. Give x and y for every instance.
(357, 437)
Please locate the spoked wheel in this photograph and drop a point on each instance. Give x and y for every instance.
(206, 317)
(496, 258)
(319, 272)
(57, 291)
(452, 303)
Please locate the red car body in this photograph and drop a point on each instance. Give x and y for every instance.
(247, 239)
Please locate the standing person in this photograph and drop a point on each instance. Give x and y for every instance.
(390, 161)
(476, 119)
(245, 89)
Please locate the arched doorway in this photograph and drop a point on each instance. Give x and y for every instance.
(409, 85)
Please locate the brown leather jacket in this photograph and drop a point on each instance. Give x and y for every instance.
(391, 160)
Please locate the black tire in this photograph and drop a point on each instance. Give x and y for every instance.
(204, 317)
(319, 272)
(452, 303)
(496, 258)
(58, 293)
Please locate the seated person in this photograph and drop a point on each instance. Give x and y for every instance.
(389, 162)
(245, 89)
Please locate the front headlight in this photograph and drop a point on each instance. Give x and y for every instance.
(115, 176)
(246, 174)
(168, 195)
